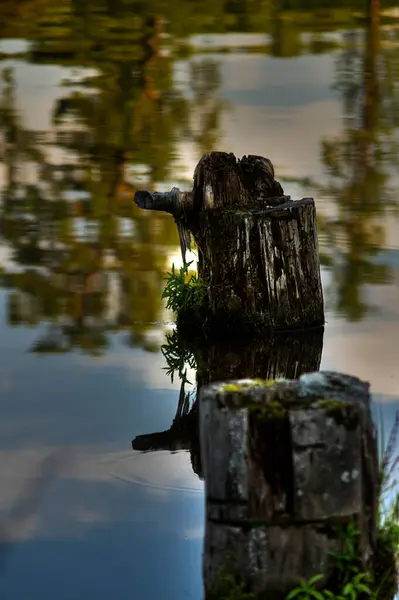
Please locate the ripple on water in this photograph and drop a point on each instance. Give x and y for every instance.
(159, 470)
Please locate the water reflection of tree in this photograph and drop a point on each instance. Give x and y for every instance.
(358, 163)
(128, 113)
(64, 279)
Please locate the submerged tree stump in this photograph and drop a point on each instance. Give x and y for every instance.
(258, 261)
(284, 464)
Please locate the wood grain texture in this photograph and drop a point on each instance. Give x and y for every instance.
(283, 464)
(258, 259)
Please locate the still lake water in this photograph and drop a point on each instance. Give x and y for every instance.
(96, 102)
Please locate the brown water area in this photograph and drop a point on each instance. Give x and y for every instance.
(97, 100)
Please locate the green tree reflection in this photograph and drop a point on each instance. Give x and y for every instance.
(360, 163)
(92, 262)
(89, 262)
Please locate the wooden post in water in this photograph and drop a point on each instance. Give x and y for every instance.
(284, 463)
(258, 250)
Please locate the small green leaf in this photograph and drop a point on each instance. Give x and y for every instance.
(294, 593)
(364, 588)
(315, 578)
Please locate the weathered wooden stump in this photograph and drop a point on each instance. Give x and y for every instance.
(258, 250)
(284, 464)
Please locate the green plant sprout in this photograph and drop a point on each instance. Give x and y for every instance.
(354, 584)
(307, 589)
(183, 291)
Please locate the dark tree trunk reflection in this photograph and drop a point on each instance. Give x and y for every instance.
(283, 356)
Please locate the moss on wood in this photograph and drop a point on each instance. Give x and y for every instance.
(343, 412)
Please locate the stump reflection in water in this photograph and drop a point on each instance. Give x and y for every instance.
(284, 355)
